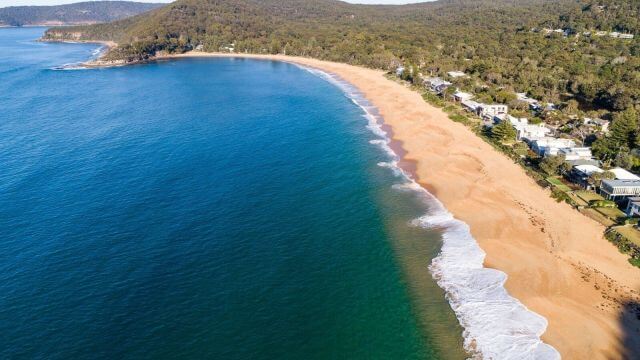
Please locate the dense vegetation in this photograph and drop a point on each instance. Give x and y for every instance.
(501, 44)
(79, 13)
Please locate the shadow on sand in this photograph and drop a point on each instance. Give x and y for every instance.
(630, 322)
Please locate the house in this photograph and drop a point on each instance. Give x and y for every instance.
(436, 84)
(532, 132)
(619, 190)
(576, 153)
(622, 174)
(524, 131)
(399, 71)
(549, 146)
(490, 111)
(456, 74)
(600, 33)
(625, 36)
(462, 96)
(580, 174)
(471, 105)
(633, 207)
(199, 47)
(603, 125)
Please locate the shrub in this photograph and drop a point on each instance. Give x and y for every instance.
(602, 204)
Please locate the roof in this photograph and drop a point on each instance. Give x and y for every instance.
(588, 169)
(578, 162)
(455, 74)
(463, 95)
(622, 174)
(471, 104)
(622, 183)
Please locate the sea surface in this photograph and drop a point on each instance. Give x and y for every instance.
(205, 209)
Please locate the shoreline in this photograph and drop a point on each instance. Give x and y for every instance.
(557, 262)
(559, 265)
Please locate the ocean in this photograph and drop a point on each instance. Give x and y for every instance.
(205, 208)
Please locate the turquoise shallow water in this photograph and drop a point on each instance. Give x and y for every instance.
(228, 209)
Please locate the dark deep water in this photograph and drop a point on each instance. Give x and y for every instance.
(223, 209)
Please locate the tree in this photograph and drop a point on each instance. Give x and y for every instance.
(551, 165)
(503, 132)
(596, 178)
(623, 129)
(624, 159)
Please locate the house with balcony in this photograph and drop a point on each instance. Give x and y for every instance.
(619, 190)
(489, 112)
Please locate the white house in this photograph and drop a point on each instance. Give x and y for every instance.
(399, 71)
(625, 36)
(462, 96)
(550, 146)
(524, 130)
(531, 132)
(456, 74)
(493, 110)
(576, 153)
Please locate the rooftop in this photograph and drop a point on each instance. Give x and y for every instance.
(622, 183)
(622, 174)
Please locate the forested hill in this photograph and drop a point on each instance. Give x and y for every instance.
(503, 44)
(73, 14)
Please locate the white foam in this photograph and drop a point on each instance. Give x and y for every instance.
(496, 325)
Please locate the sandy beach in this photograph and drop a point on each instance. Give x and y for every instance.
(558, 263)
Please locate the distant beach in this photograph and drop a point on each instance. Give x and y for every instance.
(557, 262)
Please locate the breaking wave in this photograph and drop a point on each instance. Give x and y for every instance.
(496, 325)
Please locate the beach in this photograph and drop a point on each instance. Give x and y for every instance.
(558, 263)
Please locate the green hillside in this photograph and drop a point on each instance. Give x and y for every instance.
(78, 13)
(501, 43)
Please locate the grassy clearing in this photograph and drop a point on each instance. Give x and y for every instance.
(595, 215)
(588, 196)
(612, 213)
(577, 199)
(557, 183)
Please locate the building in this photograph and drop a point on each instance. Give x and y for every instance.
(524, 131)
(533, 103)
(471, 105)
(602, 125)
(549, 146)
(456, 74)
(625, 36)
(462, 96)
(576, 153)
(618, 190)
(436, 84)
(531, 132)
(633, 207)
(399, 71)
(491, 111)
(622, 174)
(580, 174)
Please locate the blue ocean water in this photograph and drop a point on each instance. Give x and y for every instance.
(202, 208)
